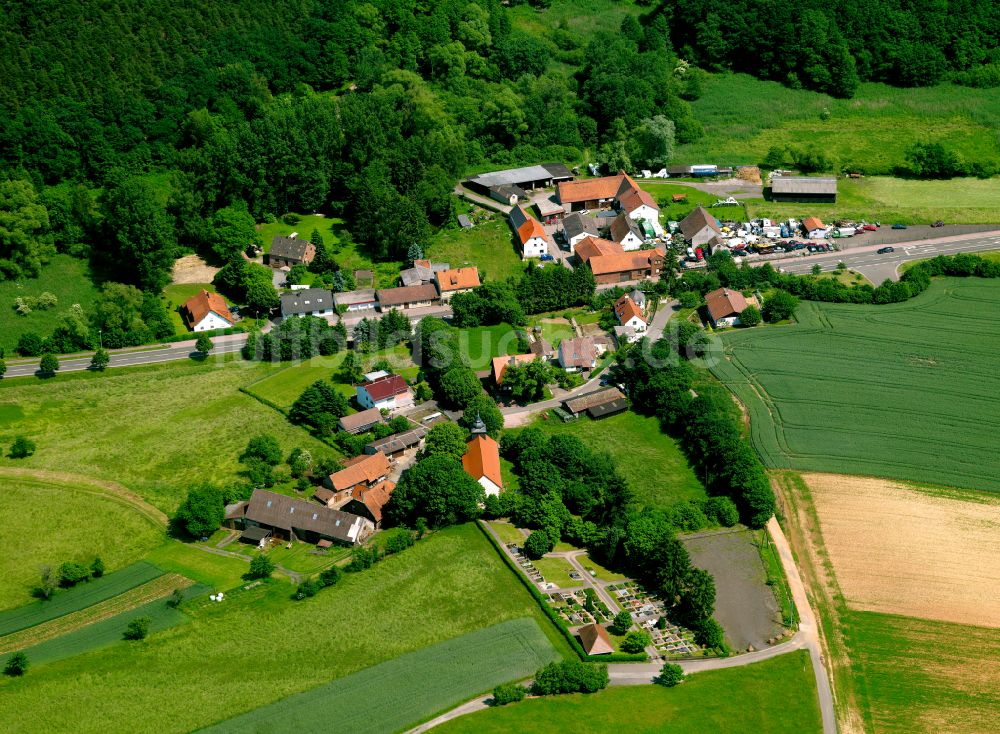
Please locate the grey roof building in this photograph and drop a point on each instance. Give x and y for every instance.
(307, 302)
(290, 251)
(804, 188)
(699, 226)
(529, 177)
(576, 226)
(422, 272)
(355, 300)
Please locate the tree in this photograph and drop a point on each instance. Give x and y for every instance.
(202, 511)
(709, 634)
(459, 386)
(538, 544)
(25, 233)
(71, 574)
(671, 674)
(445, 439)
(635, 642)
(723, 511)
(233, 231)
(697, 599)
(300, 461)
(622, 622)
(414, 252)
(485, 407)
(48, 365)
(140, 239)
(97, 568)
(137, 629)
(779, 306)
(527, 382)
(570, 676)
(17, 665)
(203, 345)
(437, 489)
(306, 589)
(655, 141)
(22, 448)
(48, 583)
(319, 405)
(261, 296)
(100, 361)
(261, 567)
(817, 269)
(264, 447)
(750, 316)
(3, 367)
(351, 369)
(508, 693)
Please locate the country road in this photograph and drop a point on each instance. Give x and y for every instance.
(877, 268)
(630, 674)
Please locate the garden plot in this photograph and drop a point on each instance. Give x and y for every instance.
(918, 552)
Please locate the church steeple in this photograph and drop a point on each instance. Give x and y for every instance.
(478, 428)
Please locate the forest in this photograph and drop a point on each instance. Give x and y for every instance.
(831, 45)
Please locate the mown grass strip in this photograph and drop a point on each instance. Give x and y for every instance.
(107, 631)
(80, 597)
(400, 692)
(158, 588)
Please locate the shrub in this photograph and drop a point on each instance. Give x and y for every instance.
(22, 448)
(306, 589)
(723, 511)
(330, 576)
(97, 568)
(29, 345)
(622, 623)
(538, 544)
(750, 316)
(570, 676)
(670, 675)
(635, 642)
(508, 693)
(71, 574)
(17, 665)
(261, 567)
(362, 559)
(138, 629)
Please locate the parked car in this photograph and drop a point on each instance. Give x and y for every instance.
(938, 223)
(869, 228)
(899, 226)
(546, 257)
(885, 250)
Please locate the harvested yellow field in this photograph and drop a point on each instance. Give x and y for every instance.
(917, 552)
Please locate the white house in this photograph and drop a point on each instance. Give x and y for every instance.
(640, 204)
(626, 232)
(629, 314)
(307, 302)
(577, 354)
(530, 233)
(207, 312)
(814, 228)
(725, 306)
(361, 300)
(385, 393)
(578, 227)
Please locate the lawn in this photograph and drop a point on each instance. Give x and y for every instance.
(744, 117)
(89, 525)
(507, 532)
(67, 278)
(600, 572)
(669, 211)
(80, 597)
(489, 246)
(774, 696)
(482, 343)
(155, 429)
(176, 295)
(347, 253)
(556, 570)
(554, 333)
(651, 461)
(190, 676)
(877, 390)
(222, 573)
(410, 688)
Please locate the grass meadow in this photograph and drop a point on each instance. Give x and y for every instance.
(906, 391)
(155, 429)
(410, 688)
(488, 246)
(651, 461)
(744, 117)
(68, 278)
(775, 696)
(258, 646)
(88, 525)
(482, 343)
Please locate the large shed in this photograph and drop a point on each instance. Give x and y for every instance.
(804, 189)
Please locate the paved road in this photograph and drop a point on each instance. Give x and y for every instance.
(165, 353)
(877, 268)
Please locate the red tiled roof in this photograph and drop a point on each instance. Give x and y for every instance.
(634, 198)
(199, 306)
(626, 309)
(724, 302)
(385, 387)
(590, 247)
(482, 459)
(590, 189)
(374, 498)
(811, 223)
(366, 470)
(578, 352)
(639, 260)
(595, 640)
(457, 279)
(531, 228)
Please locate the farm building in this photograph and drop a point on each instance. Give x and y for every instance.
(482, 459)
(360, 422)
(289, 251)
(385, 393)
(307, 302)
(577, 227)
(603, 402)
(459, 280)
(804, 189)
(611, 264)
(361, 300)
(366, 470)
(699, 227)
(549, 210)
(395, 445)
(206, 312)
(527, 178)
(508, 194)
(289, 518)
(530, 235)
(595, 640)
(814, 228)
(412, 296)
(725, 306)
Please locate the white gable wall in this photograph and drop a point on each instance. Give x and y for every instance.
(211, 322)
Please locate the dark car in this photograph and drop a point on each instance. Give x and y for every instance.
(938, 223)
(885, 250)
(899, 226)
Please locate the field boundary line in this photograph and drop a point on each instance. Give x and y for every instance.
(150, 591)
(101, 487)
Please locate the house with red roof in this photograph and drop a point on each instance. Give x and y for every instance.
(629, 314)
(206, 312)
(367, 502)
(530, 233)
(385, 393)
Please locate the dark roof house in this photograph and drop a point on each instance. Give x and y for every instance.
(290, 251)
(308, 301)
(360, 422)
(699, 226)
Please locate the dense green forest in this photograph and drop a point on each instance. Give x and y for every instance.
(829, 45)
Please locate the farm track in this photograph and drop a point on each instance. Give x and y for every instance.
(89, 485)
(151, 591)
